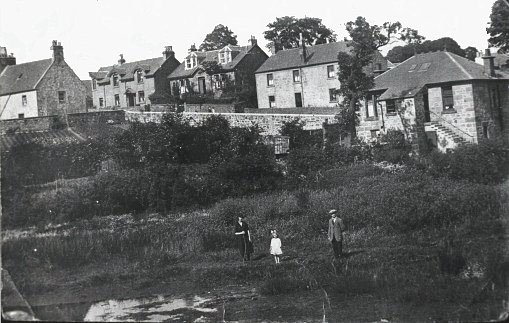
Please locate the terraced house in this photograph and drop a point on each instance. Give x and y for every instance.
(130, 84)
(39, 88)
(304, 77)
(439, 99)
(235, 66)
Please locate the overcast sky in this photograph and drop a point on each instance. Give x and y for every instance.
(95, 32)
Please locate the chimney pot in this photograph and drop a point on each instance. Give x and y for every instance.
(121, 60)
(58, 51)
(168, 52)
(489, 63)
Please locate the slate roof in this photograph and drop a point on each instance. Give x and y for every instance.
(22, 77)
(407, 78)
(238, 53)
(126, 70)
(316, 55)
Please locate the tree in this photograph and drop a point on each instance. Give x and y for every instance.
(218, 38)
(499, 26)
(400, 53)
(471, 53)
(284, 33)
(364, 43)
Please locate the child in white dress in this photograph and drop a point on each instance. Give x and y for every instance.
(275, 246)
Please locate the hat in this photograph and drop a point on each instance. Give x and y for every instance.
(333, 211)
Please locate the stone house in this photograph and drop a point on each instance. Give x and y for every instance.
(439, 99)
(235, 67)
(304, 76)
(40, 88)
(130, 84)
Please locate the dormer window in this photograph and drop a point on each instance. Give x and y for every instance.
(225, 55)
(115, 79)
(139, 76)
(191, 61)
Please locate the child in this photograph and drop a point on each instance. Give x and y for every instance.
(275, 246)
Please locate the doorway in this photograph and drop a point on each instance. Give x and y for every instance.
(427, 117)
(298, 100)
(201, 85)
(130, 99)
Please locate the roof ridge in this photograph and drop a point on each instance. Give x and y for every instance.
(25, 63)
(459, 65)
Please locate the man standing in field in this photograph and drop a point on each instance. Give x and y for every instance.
(335, 233)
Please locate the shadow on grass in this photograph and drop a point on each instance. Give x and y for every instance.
(260, 256)
(348, 254)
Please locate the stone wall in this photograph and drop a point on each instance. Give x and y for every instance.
(269, 123)
(60, 77)
(52, 122)
(11, 105)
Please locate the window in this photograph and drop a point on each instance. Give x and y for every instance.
(374, 133)
(331, 71)
(424, 67)
(101, 102)
(391, 106)
(94, 84)
(141, 96)
(21, 116)
(495, 98)
(61, 96)
(298, 100)
(191, 61)
(378, 67)
(333, 97)
(296, 76)
(447, 98)
(412, 68)
(139, 76)
(225, 56)
(115, 79)
(24, 100)
(117, 100)
(270, 80)
(485, 132)
(272, 101)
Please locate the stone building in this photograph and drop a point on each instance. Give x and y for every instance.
(39, 88)
(304, 76)
(130, 84)
(235, 66)
(439, 99)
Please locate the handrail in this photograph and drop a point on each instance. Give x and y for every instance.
(447, 121)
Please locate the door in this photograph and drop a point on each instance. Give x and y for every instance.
(298, 100)
(427, 117)
(201, 85)
(130, 100)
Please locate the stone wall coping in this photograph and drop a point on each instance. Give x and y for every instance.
(239, 114)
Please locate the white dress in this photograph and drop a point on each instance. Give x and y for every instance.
(275, 247)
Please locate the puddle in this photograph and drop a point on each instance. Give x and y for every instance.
(157, 309)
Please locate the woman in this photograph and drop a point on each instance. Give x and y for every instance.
(243, 238)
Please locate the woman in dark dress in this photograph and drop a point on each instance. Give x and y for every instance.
(243, 238)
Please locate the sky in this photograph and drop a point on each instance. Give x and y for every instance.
(94, 32)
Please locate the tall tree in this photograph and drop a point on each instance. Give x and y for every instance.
(284, 33)
(499, 25)
(471, 53)
(218, 38)
(400, 53)
(365, 41)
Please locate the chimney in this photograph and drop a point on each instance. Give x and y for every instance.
(168, 52)
(6, 60)
(253, 41)
(192, 48)
(302, 51)
(121, 60)
(58, 51)
(489, 63)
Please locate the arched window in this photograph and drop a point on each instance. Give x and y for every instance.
(139, 76)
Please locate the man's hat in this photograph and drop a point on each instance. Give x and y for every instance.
(333, 211)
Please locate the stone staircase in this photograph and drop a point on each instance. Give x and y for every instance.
(445, 131)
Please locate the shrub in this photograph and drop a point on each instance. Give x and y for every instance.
(392, 147)
(487, 162)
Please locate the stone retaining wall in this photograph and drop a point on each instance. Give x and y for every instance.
(269, 123)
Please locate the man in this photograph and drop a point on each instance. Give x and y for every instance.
(335, 233)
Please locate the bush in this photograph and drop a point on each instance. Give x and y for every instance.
(487, 162)
(392, 147)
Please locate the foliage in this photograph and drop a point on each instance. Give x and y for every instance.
(499, 25)
(212, 67)
(487, 162)
(392, 147)
(299, 137)
(218, 38)
(400, 53)
(284, 33)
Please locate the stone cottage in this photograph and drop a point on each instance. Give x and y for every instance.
(234, 66)
(130, 84)
(304, 77)
(439, 99)
(39, 88)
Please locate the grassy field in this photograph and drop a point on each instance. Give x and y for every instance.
(417, 250)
